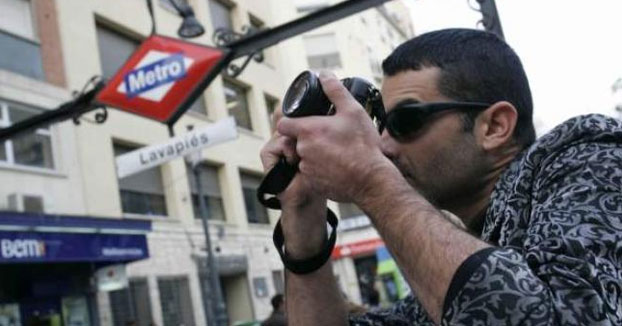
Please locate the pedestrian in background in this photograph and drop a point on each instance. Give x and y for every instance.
(277, 317)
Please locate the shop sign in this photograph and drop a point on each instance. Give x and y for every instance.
(159, 77)
(16, 247)
(357, 248)
(154, 155)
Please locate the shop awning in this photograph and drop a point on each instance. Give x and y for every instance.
(30, 238)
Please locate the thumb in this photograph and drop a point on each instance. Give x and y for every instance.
(336, 92)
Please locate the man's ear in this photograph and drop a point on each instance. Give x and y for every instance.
(494, 127)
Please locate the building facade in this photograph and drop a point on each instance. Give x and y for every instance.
(66, 173)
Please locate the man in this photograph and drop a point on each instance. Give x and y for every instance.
(544, 218)
(277, 317)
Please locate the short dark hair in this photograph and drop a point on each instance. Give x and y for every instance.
(475, 66)
(276, 301)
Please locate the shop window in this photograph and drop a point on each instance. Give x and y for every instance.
(255, 211)
(131, 304)
(237, 103)
(220, 14)
(18, 40)
(211, 192)
(349, 210)
(176, 302)
(33, 148)
(322, 51)
(366, 268)
(114, 49)
(143, 192)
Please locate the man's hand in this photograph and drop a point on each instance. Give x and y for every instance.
(338, 154)
(304, 212)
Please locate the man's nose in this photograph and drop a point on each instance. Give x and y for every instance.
(388, 145)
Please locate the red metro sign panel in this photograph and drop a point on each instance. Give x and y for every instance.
(159, 77)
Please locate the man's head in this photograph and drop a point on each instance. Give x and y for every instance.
(277, 302)
(454, 150)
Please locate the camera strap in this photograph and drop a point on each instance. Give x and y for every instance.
(275, 182)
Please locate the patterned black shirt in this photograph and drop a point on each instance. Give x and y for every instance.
(555, 219)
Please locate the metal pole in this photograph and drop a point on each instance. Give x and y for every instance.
(490, 17)
(218, 311)
(130, 299)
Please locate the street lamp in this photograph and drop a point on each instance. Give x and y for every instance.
(216, 312)
(190, 26)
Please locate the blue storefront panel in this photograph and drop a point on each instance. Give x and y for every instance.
(27, 247)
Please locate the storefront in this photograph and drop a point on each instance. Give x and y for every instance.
(47, 264)
(378, 279)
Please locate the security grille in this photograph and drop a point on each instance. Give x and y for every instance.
(131, 304)
(176, 302)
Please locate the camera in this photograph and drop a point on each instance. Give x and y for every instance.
(305, 97)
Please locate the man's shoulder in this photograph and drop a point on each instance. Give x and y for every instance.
(564, 149)
(565, 142)
(580, 129)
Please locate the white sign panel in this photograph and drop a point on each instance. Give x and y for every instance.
(111, 278)
(154, 155)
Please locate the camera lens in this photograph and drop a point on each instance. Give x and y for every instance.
(305, 97)
(295, 95)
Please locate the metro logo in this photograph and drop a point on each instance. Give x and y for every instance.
(156, 74)
(162, 78)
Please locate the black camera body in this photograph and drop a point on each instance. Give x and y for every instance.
(305, 97)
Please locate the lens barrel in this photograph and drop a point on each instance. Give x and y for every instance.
(305, 97)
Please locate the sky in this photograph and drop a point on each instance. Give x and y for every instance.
(570, 49)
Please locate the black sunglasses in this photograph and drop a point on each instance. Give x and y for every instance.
(406, 118)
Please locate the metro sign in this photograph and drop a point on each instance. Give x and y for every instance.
(163, 76)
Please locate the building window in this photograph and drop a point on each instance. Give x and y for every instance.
(18, 40)
(220, 14)
(143, 192)
(167, 4)
(211, 192)
(349, 210)
(255, 211)
(199, 106)
(131, 304)
(29, 149)
(237, 104)
(176, 302)
(308, 6)
(272, 104)
(322, 52)
(114, 50)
